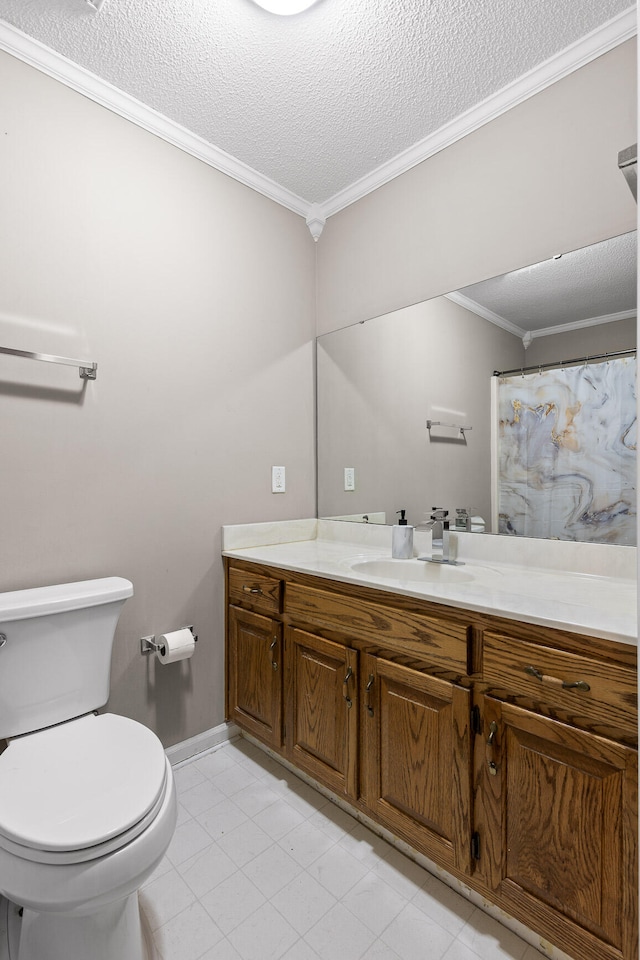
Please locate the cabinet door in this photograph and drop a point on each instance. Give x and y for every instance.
(322, 720)
(255, 675)
(562, 844)
(417, 759)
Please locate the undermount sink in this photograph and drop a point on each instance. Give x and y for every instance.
(412, 571)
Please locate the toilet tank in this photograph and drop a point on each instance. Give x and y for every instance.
(55, 660)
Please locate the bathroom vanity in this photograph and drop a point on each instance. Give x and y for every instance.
(496, 738)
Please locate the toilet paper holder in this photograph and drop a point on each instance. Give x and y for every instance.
(151, 645)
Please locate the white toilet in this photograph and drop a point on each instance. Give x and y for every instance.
(87, 801)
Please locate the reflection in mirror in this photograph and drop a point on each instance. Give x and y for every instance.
(381, 380)
(566, 452)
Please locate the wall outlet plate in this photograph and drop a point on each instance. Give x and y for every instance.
(278, 483)
(349, 478)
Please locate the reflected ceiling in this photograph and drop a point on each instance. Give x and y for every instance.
(597, 283)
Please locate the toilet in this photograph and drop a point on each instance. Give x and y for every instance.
(87, 800)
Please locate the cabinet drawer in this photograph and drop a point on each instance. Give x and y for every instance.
(437, 640)
(255, 590)
(539, 672)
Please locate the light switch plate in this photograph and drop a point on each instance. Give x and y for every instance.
(349, 478)
(277, 480)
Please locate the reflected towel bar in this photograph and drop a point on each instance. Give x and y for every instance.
(87, 371)
(451, 426)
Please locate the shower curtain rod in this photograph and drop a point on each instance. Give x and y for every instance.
(562, 363)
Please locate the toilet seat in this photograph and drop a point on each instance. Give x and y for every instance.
(81, 789)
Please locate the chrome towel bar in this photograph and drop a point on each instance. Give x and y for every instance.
(452, 426)
(88, 371)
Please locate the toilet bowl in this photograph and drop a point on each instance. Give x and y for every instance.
(87, 811)
(87, 804)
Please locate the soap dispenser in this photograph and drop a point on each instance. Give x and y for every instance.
(402, 539)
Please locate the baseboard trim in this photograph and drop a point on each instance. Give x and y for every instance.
(202, 742)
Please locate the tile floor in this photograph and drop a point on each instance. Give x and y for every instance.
(263, 867)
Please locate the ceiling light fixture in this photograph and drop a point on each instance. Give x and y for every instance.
(285, 8)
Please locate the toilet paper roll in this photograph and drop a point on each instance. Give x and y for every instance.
(178, 645)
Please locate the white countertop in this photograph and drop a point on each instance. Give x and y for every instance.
(549, 595)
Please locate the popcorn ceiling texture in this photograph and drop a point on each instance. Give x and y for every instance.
(596, 281)
(315, 101)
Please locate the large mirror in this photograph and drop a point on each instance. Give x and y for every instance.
(411, 415)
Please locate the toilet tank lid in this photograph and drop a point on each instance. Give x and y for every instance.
(58, 598)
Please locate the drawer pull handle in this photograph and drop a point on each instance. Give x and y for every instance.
(274, 663)
(556, 682)
(247, 589)
(367, 705)
(345, 688)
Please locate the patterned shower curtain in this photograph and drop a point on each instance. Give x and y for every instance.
(567, 453)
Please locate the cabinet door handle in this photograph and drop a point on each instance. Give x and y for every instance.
(248, 589)
(274, 663)
(345, 688)
(493, 729)
(556, 682)
(367, 704)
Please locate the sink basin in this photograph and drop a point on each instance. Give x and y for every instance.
(411, 571)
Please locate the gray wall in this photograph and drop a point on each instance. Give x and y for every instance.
(540, 179)
(602, 338)
(195, 296)
(379, 382)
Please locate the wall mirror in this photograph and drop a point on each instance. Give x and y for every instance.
(382, 381)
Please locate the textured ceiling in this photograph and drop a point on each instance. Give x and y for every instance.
(597, 281)
(315, 101)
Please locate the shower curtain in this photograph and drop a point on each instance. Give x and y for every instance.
(566, 457)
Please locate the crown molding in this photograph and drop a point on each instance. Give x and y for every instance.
(528, 335)
(43, 58)
(486, 314)
(36, 54)
(316, 220)
(595, 44)
(581, 324)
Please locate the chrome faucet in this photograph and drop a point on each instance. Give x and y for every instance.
(439, 524)
(463, 519)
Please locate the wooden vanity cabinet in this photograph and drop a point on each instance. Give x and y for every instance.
(322, 710)
(416, 774)
(254, 674)
(254, 653)
(594, 688)
(557, 783)
(391, 738)
(502, 751)
(394, 736)
(560, 808)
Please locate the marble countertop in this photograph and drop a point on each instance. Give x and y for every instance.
(581, 602)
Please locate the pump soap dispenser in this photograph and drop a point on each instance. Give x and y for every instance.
(401, 539)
